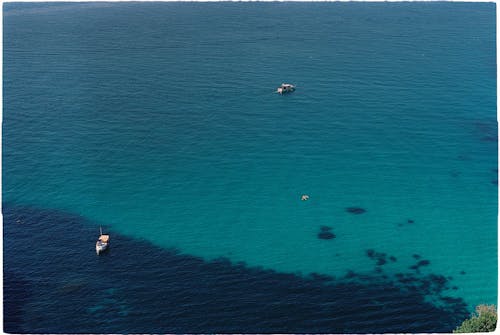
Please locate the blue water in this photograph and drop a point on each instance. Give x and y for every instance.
(158, 121)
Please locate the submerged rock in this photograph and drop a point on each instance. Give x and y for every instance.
(379, 257)
(423, 262)
(326, 235)
(355, 210)
(370, 253)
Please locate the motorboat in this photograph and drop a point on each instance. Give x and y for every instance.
(285, 88)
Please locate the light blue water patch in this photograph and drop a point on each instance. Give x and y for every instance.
(160, 121)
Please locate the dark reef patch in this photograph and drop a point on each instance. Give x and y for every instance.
(159, 290)
(379, 257)
(325, 233)
(355, 210)
(318, 277)
(423, 262)
(462, 272)
(410, 221)
(416, 256)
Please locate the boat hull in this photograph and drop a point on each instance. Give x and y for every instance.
(100, 247)
(285, 88)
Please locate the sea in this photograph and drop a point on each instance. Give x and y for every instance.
(160, 123)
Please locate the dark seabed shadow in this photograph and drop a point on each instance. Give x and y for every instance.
(55, 283)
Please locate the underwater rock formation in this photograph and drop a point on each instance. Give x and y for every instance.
(355, 210)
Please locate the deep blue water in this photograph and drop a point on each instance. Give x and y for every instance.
(136, 287)
(158, 121)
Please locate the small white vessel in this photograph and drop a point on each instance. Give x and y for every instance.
(285, 88)
(102, 243)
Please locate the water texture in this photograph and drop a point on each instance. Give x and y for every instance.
(159, 122)
(136, 287)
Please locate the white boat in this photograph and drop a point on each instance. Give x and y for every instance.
(285, 88)
(102, 243)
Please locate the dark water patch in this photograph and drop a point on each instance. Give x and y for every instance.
(321, 277)
(355, 210)
(407, 222)
(407, 279)
(380, 258)
(370, 253)
(423, 262)
(416, 267)
(326, 235)
(494, 181)
(489, 139)
(430, 285)
(462, 272)
(139, 288)
(451, 300)
(416, 256)
(350, 274)
(381, 261)
(488, 131)
(15, 296)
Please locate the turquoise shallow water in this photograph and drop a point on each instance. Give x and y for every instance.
(159, 121)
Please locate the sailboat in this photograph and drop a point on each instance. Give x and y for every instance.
(102, 243)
